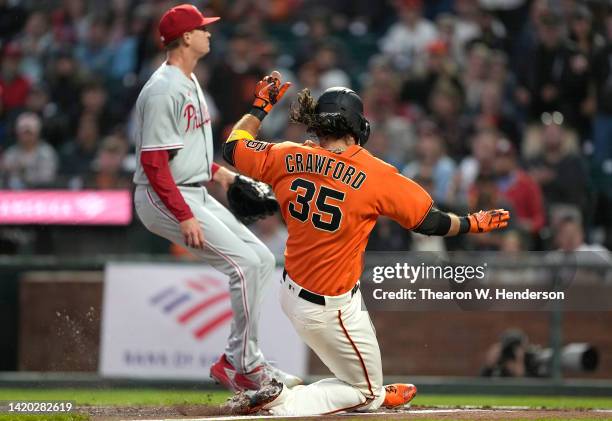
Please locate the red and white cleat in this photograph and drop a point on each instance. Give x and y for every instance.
(226, 374)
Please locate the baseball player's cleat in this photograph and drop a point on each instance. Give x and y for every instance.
(399, 394)
(236, 404)
(287, 379)
(253, 380)
(250, 402)
(263, 374)
(224, 373)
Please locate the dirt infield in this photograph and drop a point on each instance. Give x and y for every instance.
(214, 413)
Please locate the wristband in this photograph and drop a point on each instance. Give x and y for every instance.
(464, 224)
(258, 112)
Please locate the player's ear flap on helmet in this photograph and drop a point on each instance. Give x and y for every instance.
(365, 132)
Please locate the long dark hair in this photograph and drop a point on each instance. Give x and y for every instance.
(303, 111)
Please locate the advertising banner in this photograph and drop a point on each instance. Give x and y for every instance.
(64, 207)
(171, 321)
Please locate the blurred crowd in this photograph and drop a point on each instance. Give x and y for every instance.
(486, 103)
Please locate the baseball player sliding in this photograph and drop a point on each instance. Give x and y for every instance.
(330, 195)
(175, 148)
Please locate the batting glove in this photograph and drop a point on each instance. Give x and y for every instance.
(269, 91)
(485, 221)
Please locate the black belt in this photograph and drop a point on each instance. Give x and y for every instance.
(316, 298)
(191, 185)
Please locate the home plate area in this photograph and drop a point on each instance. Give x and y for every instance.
(211, 413)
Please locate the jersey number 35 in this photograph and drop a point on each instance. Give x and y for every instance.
(328, 217)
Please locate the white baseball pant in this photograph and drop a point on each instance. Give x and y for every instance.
(343, 337)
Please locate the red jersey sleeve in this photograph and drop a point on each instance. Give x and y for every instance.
(155, 166)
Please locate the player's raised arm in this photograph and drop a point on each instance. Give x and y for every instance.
(241, 149)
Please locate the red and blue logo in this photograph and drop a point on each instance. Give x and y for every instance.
(202, 304)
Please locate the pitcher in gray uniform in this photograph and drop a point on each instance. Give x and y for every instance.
(175, 151)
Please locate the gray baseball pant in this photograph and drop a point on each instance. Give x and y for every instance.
(230, 248)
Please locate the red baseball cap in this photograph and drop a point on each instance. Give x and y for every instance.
(180, 19)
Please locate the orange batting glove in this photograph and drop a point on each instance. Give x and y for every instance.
(485, 221)
(269, 91)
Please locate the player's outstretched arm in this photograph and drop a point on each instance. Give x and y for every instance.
(447, 224)
(420, 215)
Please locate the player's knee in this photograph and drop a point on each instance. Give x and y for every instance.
(267, 259)
(249, 262)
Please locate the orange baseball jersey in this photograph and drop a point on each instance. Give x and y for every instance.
(330, 203)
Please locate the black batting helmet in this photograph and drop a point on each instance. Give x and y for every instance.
(343, 101)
